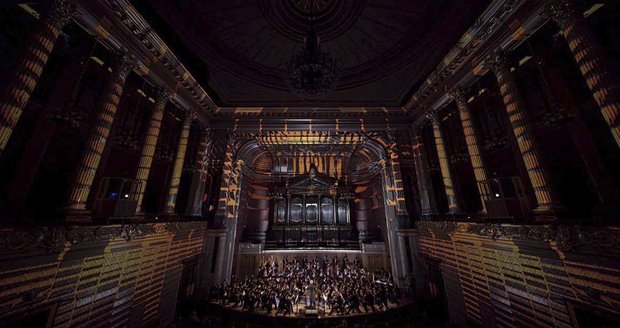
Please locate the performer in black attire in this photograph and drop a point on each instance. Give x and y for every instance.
(343, 286)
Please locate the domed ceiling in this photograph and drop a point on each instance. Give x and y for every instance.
(238, 49)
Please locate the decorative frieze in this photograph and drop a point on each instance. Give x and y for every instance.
(132, 20)
(54, 239)
(58, 12)
(562, 12)
(567, 238)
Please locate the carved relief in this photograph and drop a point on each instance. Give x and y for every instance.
(567, 238)
(54, 239)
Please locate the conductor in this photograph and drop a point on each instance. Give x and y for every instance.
(311, 295)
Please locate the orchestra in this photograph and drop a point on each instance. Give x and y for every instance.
(333, 286)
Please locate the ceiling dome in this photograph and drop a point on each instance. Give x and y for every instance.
(330, 18)
(385, 48)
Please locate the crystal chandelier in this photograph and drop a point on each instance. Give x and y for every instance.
(311, 73)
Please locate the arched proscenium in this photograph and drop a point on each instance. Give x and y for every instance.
(378, 168)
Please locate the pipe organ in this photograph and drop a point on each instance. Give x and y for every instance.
(311, 210)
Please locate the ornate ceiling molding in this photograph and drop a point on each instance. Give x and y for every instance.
(122, 28)
(388, 49)
(332, 17)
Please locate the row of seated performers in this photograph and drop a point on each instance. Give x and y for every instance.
(337, 286)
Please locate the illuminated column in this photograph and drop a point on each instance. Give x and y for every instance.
(394, 246)
(515, 107)
(425, 186)
(24, 78)
(175, 179)
(150, 143)
(591, 60)
(231, 189)
(397, 186)
(472, 142)
(363, 205)
(104, 117)
(199, 177)
(453, 205)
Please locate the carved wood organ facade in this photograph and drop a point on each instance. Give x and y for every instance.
(311, 210)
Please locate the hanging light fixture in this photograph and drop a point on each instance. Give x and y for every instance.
(312, 73)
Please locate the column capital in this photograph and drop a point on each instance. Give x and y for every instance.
(190, 116)
(432, 116)
(163, 95)
(458, 95)
(124, 64)
(205, 131)
(497, 62)
(58, 12)
(562, 12)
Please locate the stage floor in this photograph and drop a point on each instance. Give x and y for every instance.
(299, 310)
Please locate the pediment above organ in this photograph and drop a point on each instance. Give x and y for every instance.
(312, 182)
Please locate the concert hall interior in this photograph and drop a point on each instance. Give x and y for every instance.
(317, 163)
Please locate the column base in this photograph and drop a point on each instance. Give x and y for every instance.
(427, 215)
(168, 211)
(168, 216)
(261, 236)
(547, 214)
(363, 236)
(75, 216)
(458, 215)
(604, 214)
(194, 214)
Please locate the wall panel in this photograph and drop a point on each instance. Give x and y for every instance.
(518, 276)
(108, 276)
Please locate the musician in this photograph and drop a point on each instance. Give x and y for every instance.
(353, 302)
(311, 295)
(369, 301)
(342, 284)
(337, 303)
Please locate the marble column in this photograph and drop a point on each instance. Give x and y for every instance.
(540, 179)
(44, 129)
(199, 175)
(590, 57)
(362, 207)
(95, 145)
(425, 185)
(150, 144)
(471, 139)
(391, 222)
(175, 179)
(22, 81)
(444, 165)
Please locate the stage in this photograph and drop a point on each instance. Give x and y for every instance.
(250, 256)
(300, 311)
